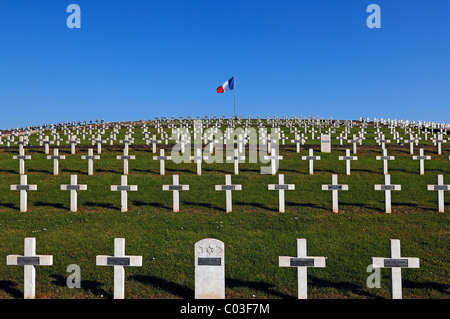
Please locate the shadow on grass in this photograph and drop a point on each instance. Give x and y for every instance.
(9, 287)
(259, 205)
(204, 205)
(33, 170)
(89, 286)
(170, 287)
(181, 170)
(141, 203)
(144, 171)
(309, 205)
(360, 205)
(319, 282)
(9, 205)
(72, 171)
(54, 205)
(8, 171)
(102, 205)
(218, 170)
(442, 288)
(264, 287)
(101, 170)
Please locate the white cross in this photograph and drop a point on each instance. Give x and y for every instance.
(73, 142)
(382, 141)
(236, 158)
(440, 188)
(334, 188)
(175, 188)
(73, 188)
(354, 141)
(119, 260)
(162, 158)
(23, 188)
(347, 158)
(47, 143)
(281, 187)
(228, 187)
(90, 157)
(154, 141)
(22, 157)
(302, 261)
(99, 142)
(127, 140)
(396, 263)
(125, 157)
(421, 159)
(387, 188)
(29, 260)
(124, 188)
(299, 140)
(385, 158)
(56, 157)
(198, 158)
(311, 160)
(274, 159)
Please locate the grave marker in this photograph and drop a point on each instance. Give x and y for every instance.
(90, 158)
(334, 188)
(23, 188)
(311, 158)
(124, 188)
(119, 260)
(421, 159)
(125, 157)
(228, 187)
(162, 158)
(440, 188)
(302, 262)
(29, 260)
(396, 263)
(347, 158)
(281, 187)
(73, 188)
(56, 157)
(22, 157)
(387, 188)
(385, 158)
(175, 188)
(209, 255)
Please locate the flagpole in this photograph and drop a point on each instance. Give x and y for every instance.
(235, 96)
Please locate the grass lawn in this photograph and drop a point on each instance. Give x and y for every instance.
(254, 233)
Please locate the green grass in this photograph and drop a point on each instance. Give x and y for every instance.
(255, 234)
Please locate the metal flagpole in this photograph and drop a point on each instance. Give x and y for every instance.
(235, 96)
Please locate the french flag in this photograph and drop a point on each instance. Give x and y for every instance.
(227, 86)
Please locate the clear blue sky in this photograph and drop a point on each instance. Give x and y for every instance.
(141, 59)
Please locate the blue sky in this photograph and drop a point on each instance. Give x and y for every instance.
(141, 59)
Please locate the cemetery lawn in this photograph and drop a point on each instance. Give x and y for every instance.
(254, 233)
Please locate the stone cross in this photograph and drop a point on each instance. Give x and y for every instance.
(47, 143)
(299, 140)
(73, 188)
(119, 261)
(29, 260)
(438, 142)
(411, 142)
(347, 158)
(334, 188)
(198, 158)
(383, 141)
(325, 143)
(23, 188)
(385, 158)
(396, 263)
(90, 157)
(162, 158)
(440, 188)
(175, 188)
(154, 141)
(228, 187)
(354, 141)
(73, 142)
(56, 157)
(124, 188)
(311, 160)
(125, 157)
(236, 158)
(99, 142)
(281, 187)
(274, 159)
(387, 188)
(21, 157)
(209, 256)
(421, 159)
(127, 141)
(302, 262)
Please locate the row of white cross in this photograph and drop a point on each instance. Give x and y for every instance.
(334, 187)
(237, 158)
(209, 266)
